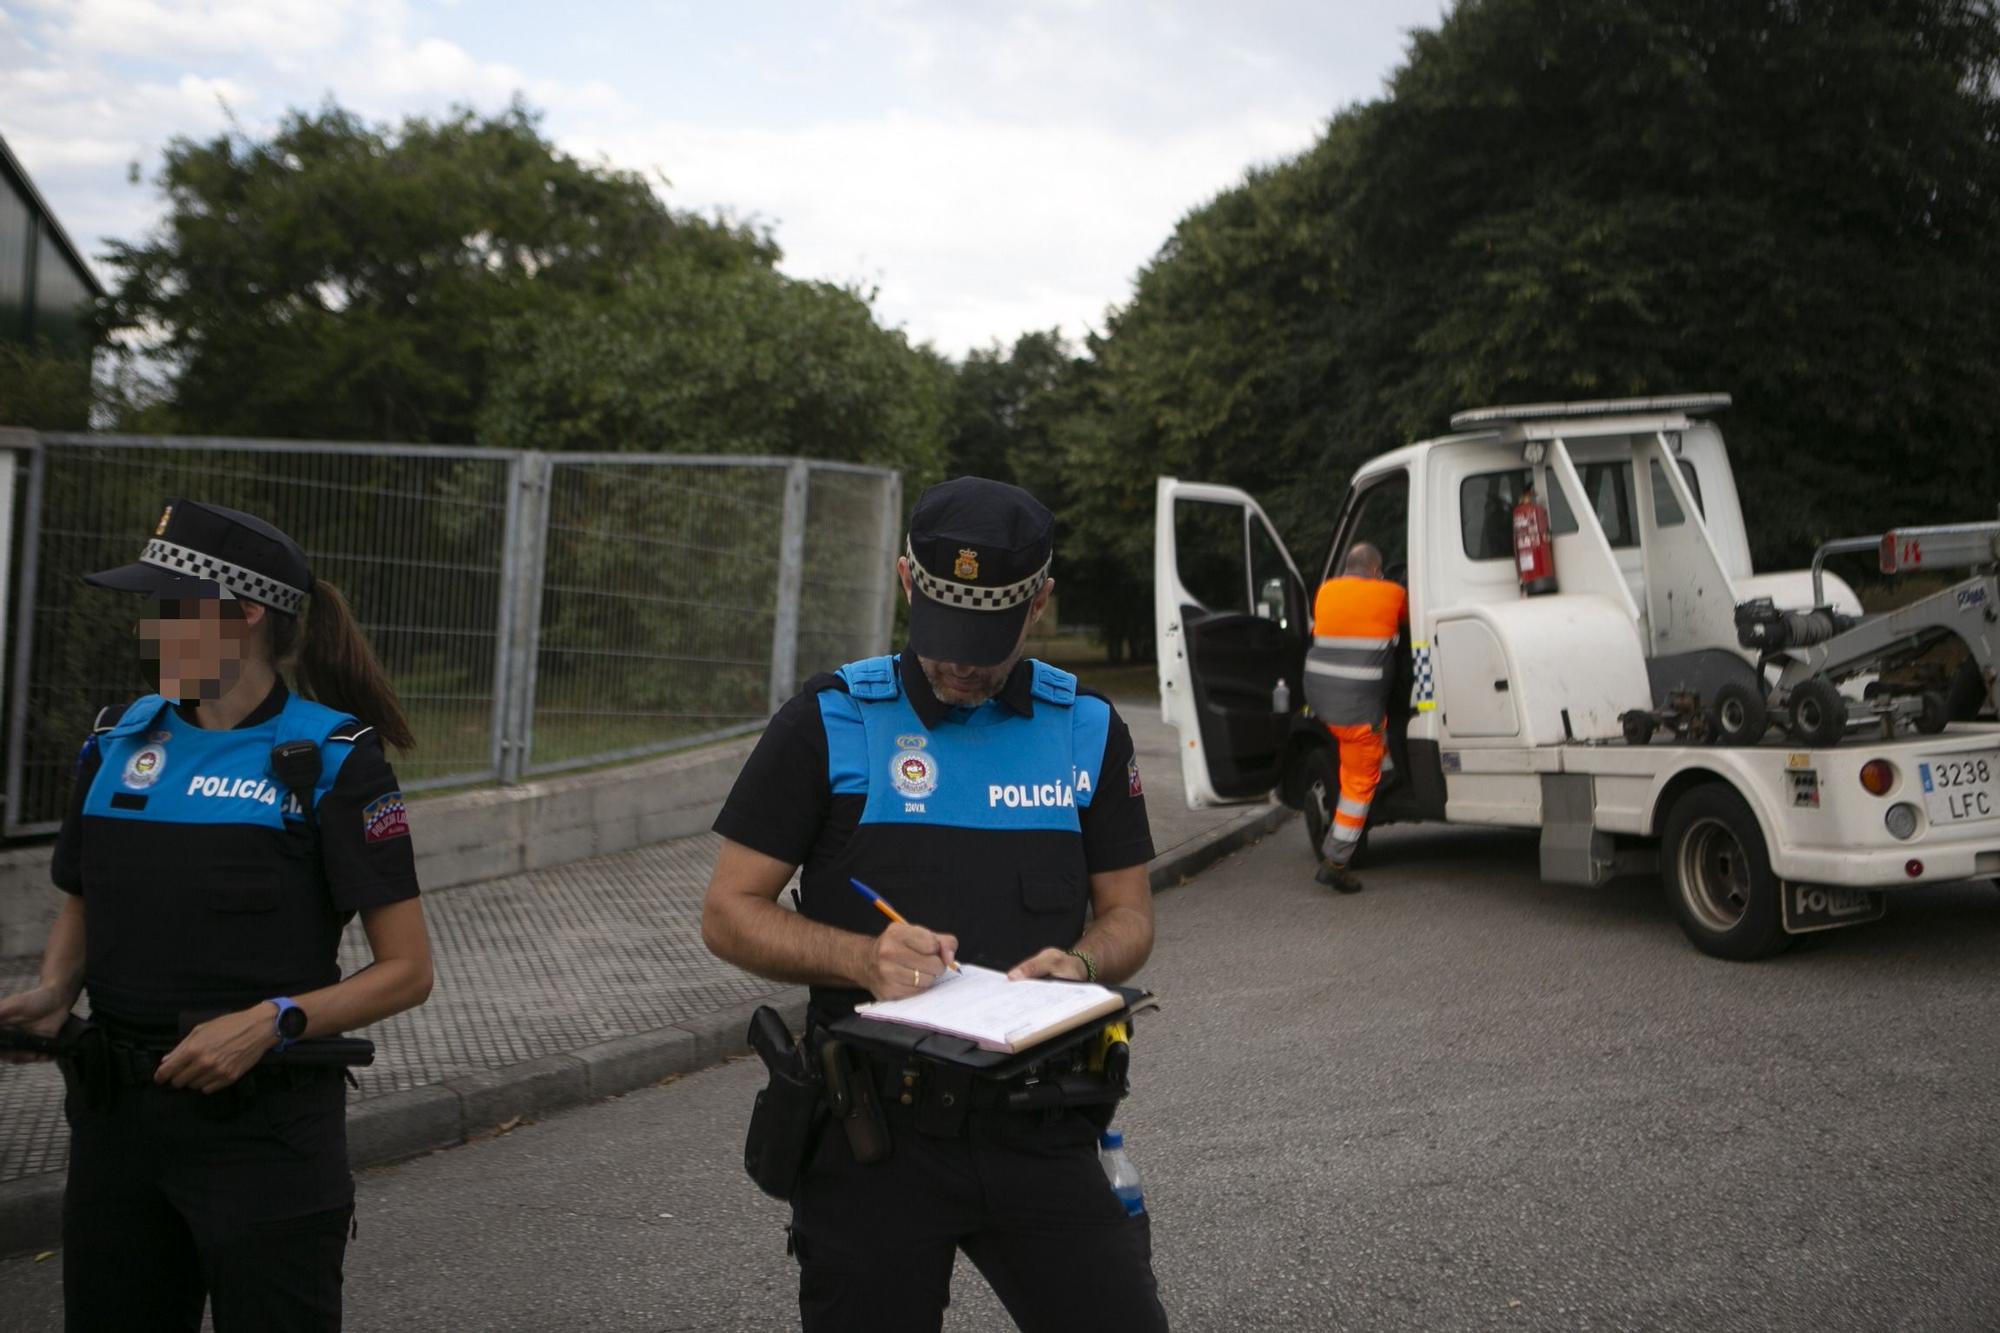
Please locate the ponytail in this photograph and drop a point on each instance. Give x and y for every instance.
(337, 667)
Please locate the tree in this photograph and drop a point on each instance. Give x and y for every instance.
(692, 356)
(344, 281)
(1798, 203)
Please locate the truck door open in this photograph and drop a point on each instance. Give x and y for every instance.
(1231, 616)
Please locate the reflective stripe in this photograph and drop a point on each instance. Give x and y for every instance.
(1359, 809)
(1347, 833)
(1359, 645)
(1344, 672)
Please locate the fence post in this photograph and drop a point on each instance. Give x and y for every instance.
(521, 610)
(24, 635)
(791, 585)
(886, 552)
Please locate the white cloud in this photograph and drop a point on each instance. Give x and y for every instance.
(991, 169)
(973, 229)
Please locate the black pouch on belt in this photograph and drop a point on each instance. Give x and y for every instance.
(84, 1057)
(788, 1110)
(850, 1093)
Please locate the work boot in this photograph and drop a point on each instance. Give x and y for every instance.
(1338, 877)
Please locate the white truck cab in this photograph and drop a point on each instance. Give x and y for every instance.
(1520, 711)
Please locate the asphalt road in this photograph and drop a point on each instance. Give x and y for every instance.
(1460, 1099)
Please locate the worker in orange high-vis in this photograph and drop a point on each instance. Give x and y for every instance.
(1358, 619)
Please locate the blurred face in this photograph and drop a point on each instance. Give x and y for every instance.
(194, 648)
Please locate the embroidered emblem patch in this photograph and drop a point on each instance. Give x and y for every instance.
(144, 768)
(967, 565)
(912, 742)
(913, 773)
(384, 818)
(1132, 772)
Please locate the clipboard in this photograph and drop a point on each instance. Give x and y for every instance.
(899, 1041)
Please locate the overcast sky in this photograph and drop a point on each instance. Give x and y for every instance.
(990, 167)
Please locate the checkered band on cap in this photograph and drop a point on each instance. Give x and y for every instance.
(238, 580)
(971, 597)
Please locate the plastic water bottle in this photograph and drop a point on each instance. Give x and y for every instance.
(1281, 697)
(1124, 1176)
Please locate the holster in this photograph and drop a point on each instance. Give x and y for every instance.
(90, 1081)
(785, 1120)
(849, 1084)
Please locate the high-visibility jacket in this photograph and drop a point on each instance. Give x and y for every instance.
(1356, 624)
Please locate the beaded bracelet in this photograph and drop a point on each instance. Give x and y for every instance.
(1089, 968)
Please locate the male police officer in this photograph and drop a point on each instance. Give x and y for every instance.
(1357, 619)
(997, 804)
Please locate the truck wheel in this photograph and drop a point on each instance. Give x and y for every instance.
(1637, 726)
(1935, 715)
(1818, 714)
(1322, 788)
(1741, 716)
(1718, 876)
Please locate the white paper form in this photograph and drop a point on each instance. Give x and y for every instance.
(982, 1006)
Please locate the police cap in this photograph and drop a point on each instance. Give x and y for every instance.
(205, 550)
(979, 552)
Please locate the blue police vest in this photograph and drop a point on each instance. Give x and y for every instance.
(973, 828)
(200, 876)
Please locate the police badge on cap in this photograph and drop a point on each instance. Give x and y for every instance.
(979, 552)
(204, 550)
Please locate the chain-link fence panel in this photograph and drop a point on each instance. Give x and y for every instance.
(535, 612)
(853, 534)
(414, 537)
(657, 605)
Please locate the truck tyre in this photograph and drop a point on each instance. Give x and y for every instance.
(1935, 715)
(1818, 714)
(1637, 726)
(1741, 717)
(1718, 876)
(1320, 785)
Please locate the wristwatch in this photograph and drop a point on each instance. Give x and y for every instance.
(291, 1021)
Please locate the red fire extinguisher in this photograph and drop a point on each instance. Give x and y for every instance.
(1534, 546)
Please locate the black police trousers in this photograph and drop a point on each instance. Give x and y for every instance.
(1025, 1198)
(176, 1198)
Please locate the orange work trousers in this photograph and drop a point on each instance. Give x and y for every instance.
(1361, 748)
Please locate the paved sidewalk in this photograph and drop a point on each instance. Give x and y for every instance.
(556, 987)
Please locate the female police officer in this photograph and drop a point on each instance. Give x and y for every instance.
(211, 864)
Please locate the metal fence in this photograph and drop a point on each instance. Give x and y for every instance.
(537, 612)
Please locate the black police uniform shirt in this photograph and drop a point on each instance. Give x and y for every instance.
(198, 871)
(985, 823)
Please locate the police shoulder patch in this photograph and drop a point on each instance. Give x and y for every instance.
(350, 732)
(384, 818)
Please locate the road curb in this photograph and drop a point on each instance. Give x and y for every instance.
(400, 1125)
(1190, 858)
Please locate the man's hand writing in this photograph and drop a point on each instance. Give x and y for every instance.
(905, 959)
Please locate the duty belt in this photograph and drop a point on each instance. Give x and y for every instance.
(939, 1097)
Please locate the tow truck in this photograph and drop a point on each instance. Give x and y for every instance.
(1801, 776)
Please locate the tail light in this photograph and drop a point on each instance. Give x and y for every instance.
(1913, 868)
(1877, 776)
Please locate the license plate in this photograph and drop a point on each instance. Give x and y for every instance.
(1810, 907)
(1962, 788)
